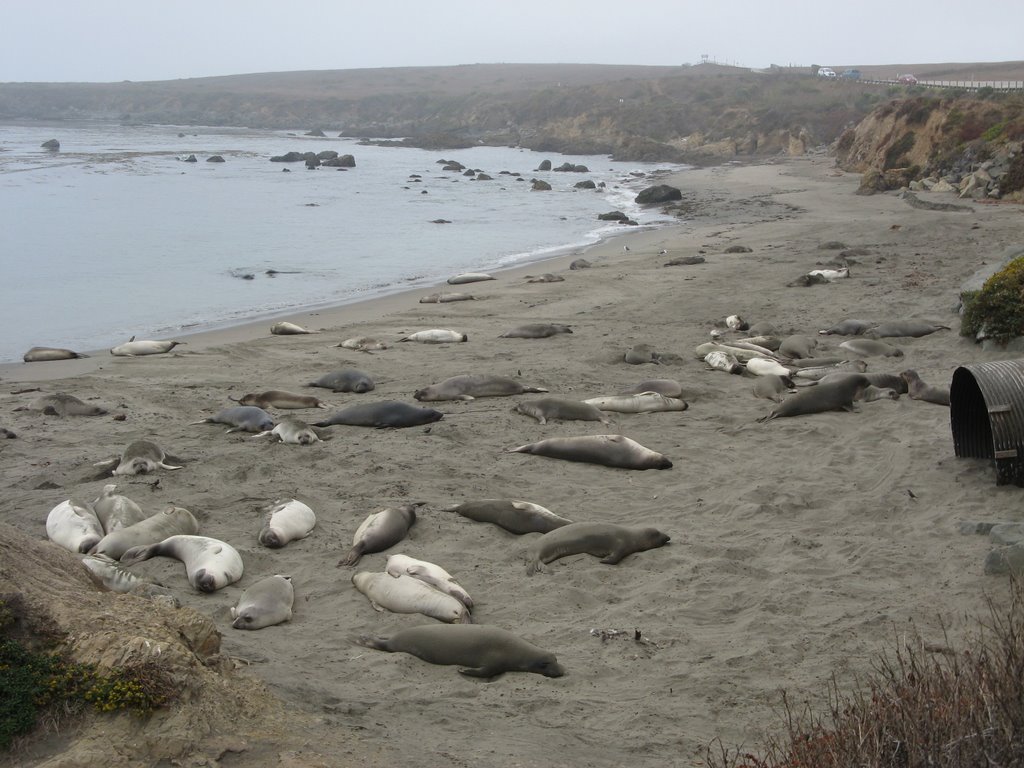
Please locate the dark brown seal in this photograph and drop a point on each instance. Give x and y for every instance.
(831, 396)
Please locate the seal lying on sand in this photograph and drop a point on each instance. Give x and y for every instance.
(666, 387)
(265, 603)
(871, 348)
(514, 516)
(405, 594)
(63, 404)
(918, 390)
(485, 651)
(384, 414)
(429, 573)
(362, 343)
(133, 348)
(608, 450)
(286, 521)
(560, 409)
(345, 380)
(535, 331)
(155, 528)
(468, 387)
(43, 354)
(276, 398)
(639, 354)
(436, 336)
(469, 277)
(380, 530)
(831, 396)
(115, 511)
(140, 457)
(209, 563)
(642, 402)
(608, 541)
(294, 431)
(244, 418)
(73, 526)
(110, 574)
(896, 328)
(848, 327)
(288, 329)
(446, 298)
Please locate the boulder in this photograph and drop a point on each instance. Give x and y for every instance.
(484, 177)
(215, 159)
(612, 216)
(540, 186)
(327, 154)
(290, 157)
(341, 161)
(660, 193)
(451, 165)
(51, 144)
(588, 184)
(545, 165)
(317, 133)
(191, 159)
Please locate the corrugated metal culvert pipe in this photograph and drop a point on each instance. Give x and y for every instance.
(986, 413)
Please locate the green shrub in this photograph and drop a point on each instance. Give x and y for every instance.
(994, 131)
(998, 308)
(896, 154)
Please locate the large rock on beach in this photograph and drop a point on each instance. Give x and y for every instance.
(660, 193)
(540, 186)
(51, 144)
(612, 216)
(341, 161)
(545, 165)
(289, 157)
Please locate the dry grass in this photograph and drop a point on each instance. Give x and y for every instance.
(923, 705)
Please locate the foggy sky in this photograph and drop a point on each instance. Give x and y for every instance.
(112, 40)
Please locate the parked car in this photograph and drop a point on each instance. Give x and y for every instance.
(906, 79)
(851, 74)
(826, 72)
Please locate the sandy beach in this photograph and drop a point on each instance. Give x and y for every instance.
(800, 548)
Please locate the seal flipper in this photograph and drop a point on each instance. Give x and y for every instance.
(165, 465)
(352, 557)
(484, 672)
(368, 641)
(138, 554)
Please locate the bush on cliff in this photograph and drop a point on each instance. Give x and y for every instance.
(997, 310)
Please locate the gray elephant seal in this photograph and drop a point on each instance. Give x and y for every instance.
(641, 402)
(896, 328)
(386, 414)
(770, 387)
(286, 521)
(849, 327)
(666, 387)
(831, 396)
(294, 431)
(446, 298)
(133, 348)
(514, 516)
(561, 409)
(379, 531)
(267, 602)
(345, 380)
(870, 348)
(535, 331)
(209, 563)
(607, 450)
(63, 404)
(547, 277)
(484, 651)
(881, 380)
(241, 418)
(115, 511)
(918, 390)
(580, 264)
(7, 434)
(45, 354)
(155, 528)
(469, 277)
(797, 346)
(276, 398)
(468, 387)
(288, 329)
(110, 574)
(608, 541)
(140, 457)
(872, 393)
(639, 354)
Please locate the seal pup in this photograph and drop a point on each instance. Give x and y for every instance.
(133, 348)
(870, 348)
(111, 575)
(294, 431)
(45, 354)
(386, 414)
(666, 387)
(345, 380)
(288, 329)
(771, 387)
(445, 298)
(436, 336)
(762, 366)
(382, 529)
(639, 354)
(405, 594)
(642, 402)
(470, 386)
(363, 344)
(798, 346)
(485, 651)
(723, 361)
(287, 520)
(429, 573)
(469, 277)
(535, 331)
(267, 602)
(607, 450)
(848, 327)
(73, 526)
(608, 541)
(276, 398)
(912, 328)
(169, 522)
(736, 323)
(115, 511)
(918, 390)
(561, 409)
(140, 457)
(872, 393)
(830, 274)
(833, 396)
(63, 404)
(209, 563)
(514, 516)
(241, 418)
(580, 264)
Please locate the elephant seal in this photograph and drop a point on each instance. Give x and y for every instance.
(133, 348)
(288, 329)
(832, 396)
(209, 563)
(241, 418)
(7, 434)
(140, 457)
(294, 431)
(429, 573)
(881, 380)
(822, 362)
(345, 380)
(912, 328)
(561, 409)
(385, 414)
(666, 387)
(872, 393)
(287, 520)
(267, 602)
(547, 277)
(436, 336)
(45, 354)
(73, 526)
(607, 450)
(111, 575)
(870, 348)
(848, 327)
(642, 402)
(685, 261)
(276, 398)
(580, 264)
(639, 354)
(63, 404)
(469, 277)
(514, 516)
(608, 541)
(169, 522)
(535, 331)
(484, 650)
(771, 387)
(115, 511)
(446, 298)
(405, 594)
(762, 366)
(825, 371)
(798, 346)
(470, 386)
(362, 343)
(723, 361)
(380, 530)
(918, 390)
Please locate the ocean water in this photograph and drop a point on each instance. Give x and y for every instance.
(115, 235)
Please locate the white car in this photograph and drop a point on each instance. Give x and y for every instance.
(826, 72)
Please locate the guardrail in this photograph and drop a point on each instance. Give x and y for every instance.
(963, 85)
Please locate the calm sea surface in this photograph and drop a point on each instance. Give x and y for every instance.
(115, 235)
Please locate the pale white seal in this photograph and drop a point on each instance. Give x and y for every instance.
(363, 343)
(267, 602)
(287, 521)
(209, 563)
(723, 361)
(428, 573)
(642, 402)
(608, 450)
(404, 594)
(133, 348)
(294, 431)
(469, 277)
(73, 526)
(288, 329)
(436, 336)
(762, 366)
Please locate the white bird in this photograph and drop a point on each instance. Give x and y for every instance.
(625, 248)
